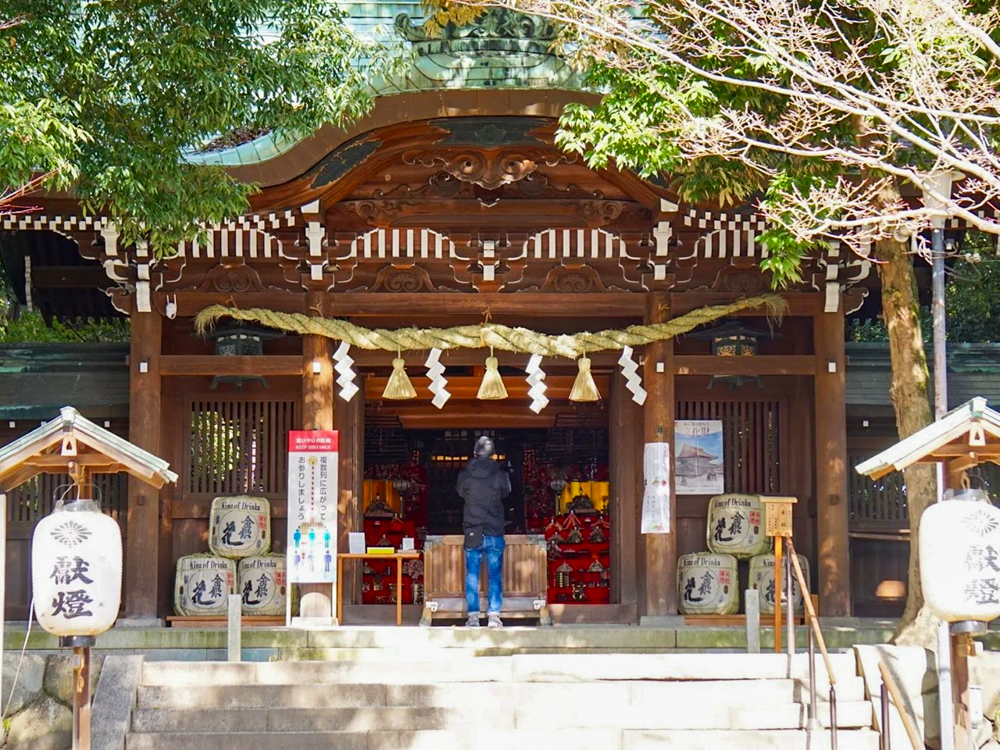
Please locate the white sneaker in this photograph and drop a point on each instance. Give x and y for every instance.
(472, 622)
(493, 621)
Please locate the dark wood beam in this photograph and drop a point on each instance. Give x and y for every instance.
(542, 304)
(374, 304)
(69, 277)
(558, 387)
(767, 364)
(799, 303)
(211, 364)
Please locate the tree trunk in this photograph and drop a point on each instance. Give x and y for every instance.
(909, 392)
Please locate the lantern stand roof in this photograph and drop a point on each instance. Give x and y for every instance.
(964, 437)
(74, 445)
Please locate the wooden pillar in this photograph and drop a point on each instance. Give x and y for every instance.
(659, 558)
(625, 438)
(317, 414)
(349, 418)
(833, 553)
(143, 528)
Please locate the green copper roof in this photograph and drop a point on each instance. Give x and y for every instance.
(503, 50)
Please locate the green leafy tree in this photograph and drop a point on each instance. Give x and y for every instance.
(102, 98)
(832, 109)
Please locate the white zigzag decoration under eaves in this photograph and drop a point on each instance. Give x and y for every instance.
(435, 371)
(633, 381)
(344, 368)
(536, 379)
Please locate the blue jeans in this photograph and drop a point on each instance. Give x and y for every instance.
(493, 546)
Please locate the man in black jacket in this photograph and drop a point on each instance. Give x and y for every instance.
(483, 484)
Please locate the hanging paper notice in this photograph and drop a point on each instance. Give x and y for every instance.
(312, 506)
(656, 488)
(699, 460)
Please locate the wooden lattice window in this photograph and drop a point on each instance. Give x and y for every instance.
(34, 499)
(238, 446)
(750, 438)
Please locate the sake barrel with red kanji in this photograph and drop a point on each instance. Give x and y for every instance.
(736, 526)
(240, 527)
(263, 585)
(707, 584)
(762, 579)
(203, 584)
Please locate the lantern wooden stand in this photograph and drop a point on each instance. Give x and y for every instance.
(778, 515)
(962, 439)
(71, 444)
(81, 646)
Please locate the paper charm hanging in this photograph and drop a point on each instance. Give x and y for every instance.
(584, 387)
(345, 370)
(435, 371)
(399, 386)
(492, 388)
(536, 379)
(633, 381)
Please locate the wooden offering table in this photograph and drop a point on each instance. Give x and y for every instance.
(397, 556)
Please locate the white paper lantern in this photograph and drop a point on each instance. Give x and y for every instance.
(960, 557)
(736, 526)
(762, 579)
(240, 526)
(76, 570)
(707, 584)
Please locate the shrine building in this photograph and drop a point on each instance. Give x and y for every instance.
(449, 204)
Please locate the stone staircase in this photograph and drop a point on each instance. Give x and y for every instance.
(441, 699)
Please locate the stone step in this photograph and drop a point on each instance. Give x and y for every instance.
(522, 739)
(857, 739)
(450, 695)
(520, 668)
(857, 714)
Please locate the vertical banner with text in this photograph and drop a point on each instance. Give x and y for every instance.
(312, 506)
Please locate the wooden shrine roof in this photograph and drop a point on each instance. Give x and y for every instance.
(967, 435)
(72, 437)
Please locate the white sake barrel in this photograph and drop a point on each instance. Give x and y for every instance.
(203, 584)
(736, 526)
(240, 526)
(262, 585)
(707, 584)
(762, 579)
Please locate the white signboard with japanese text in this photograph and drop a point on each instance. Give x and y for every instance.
(698, 457)
(656, 488)
(312, 506)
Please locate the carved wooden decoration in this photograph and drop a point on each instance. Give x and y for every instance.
(488, 169)
(232, 278)
(403, 279)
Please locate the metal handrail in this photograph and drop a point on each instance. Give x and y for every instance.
(815, 635)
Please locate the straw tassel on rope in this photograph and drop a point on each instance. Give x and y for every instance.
(399, 387)
(492, 388)
(584, 387)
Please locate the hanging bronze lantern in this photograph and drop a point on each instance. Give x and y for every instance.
(732, 340)
(240, 340)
